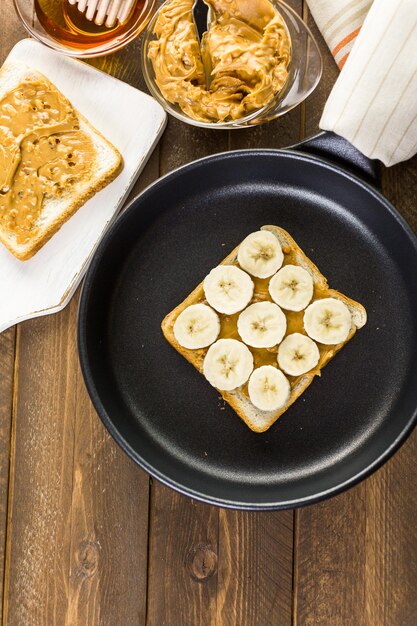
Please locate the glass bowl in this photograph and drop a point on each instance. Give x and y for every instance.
(305, 71)
(50, 22)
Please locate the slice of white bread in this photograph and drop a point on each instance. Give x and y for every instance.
(258, 420)
(57, 210)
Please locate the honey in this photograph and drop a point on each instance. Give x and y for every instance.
(68, 26)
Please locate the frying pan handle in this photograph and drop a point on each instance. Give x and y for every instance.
(339, 151)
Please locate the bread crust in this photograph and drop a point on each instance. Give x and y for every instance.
(256, 420)
(41, 236)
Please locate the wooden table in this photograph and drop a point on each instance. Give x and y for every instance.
(87, 538)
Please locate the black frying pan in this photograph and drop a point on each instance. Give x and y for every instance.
(165, 415)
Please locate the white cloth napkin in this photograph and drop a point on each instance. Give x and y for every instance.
(340, 23)
(373, 103)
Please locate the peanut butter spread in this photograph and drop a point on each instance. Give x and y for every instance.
(241, 65)
(295, 324)
(42, 153)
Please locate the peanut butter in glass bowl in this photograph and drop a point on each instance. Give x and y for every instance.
(256, 61)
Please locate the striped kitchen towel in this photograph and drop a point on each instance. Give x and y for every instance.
(373, 103)
(339, 23)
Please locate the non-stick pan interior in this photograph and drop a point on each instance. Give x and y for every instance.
(163, 412)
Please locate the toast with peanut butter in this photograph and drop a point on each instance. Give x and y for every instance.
(262, 325)
(51, 159)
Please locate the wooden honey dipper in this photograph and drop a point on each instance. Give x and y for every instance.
(106, 12)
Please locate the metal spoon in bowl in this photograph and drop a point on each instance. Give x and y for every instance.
(203, 14)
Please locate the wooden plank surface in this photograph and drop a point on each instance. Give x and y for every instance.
(7, 351)
(83, 519)
(218, 566)
(183, 560)
(76, 540)
(8, 37)
(256, 568)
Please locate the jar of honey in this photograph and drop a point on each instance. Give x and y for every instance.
(61, 25)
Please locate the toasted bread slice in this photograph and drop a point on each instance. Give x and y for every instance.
(56, 211)
(258, 420)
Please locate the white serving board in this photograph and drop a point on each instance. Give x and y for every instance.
(133, 122)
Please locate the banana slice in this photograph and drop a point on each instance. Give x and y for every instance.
(292, 288)
(297, 354)
(328, 321)
(268, 388)
(228, 364)
(262, 325)
(260, 254)
(197, 326)
(228, 289)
